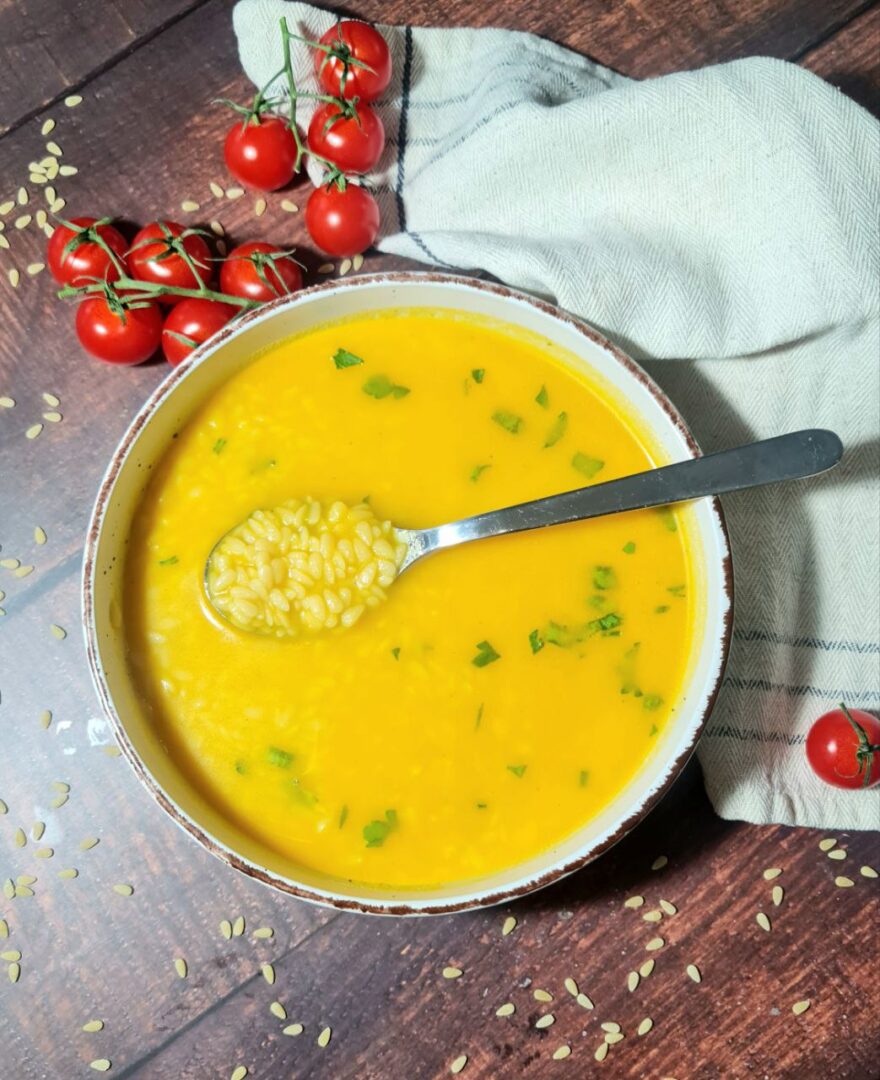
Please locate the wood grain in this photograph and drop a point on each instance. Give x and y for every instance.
(88, 952)
(850, 59)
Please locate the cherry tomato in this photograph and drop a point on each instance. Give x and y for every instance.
(843, 748)
(191, 322)
(74, 256)
(342, 223)
(259, 271)
(157, 255)
(118, 337)
(354, 41)
(261, 153)
(354, 143)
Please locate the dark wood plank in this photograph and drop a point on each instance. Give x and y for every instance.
(850, 59)
(88, 952)
(49, 48)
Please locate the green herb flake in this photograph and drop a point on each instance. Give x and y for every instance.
(587, 465)
(607, 623)
(508, 420)
(376, 833)
(542, 397)
(536, 641)
(629, 548)
(597, 601)
(343, 816)
(477, 471)
(668, 519)
(564, 636)
(380, 386)
(302, 794)
(676, 590)
(172, 560)
(517, 770)
(241, 768)
(281, 759)
(653, 731)
(218, 446)
(485, 654)
(479, 719)
(477, 374)
(556, 431)
(342, 358)
(395, 652)
(660, 609)
(652, 701)
(583, 777)
(604, 578)
(482, 806)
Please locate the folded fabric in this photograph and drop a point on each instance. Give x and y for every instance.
(722, 226)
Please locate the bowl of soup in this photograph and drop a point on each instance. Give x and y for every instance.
(512, 707)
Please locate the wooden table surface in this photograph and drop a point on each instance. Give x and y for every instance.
(144, 138)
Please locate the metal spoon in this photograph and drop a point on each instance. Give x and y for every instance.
(786, 457)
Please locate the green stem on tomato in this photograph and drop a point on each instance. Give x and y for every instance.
(294, 96)
(152, 290)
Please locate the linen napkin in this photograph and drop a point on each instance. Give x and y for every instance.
(721, 226)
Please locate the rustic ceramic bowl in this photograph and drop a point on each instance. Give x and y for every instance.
(169, 408)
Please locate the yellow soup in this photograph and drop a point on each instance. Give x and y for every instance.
(502, 694)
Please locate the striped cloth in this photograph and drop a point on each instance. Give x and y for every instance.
(721, 225)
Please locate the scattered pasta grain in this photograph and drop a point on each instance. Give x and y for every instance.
(23, 571)
(123, 890)
(452, 973)
(277, 1009)
(288, 206)
(776, 895)
(4, 928)
(509, 926)
(19, 838)
(268, 973)
(844, 882)
(180, 967)
(234, 192)
(40, 536)
(344, 267)
(260, 207)
(60, 785)
(561, 1052)
(357, 262)
(72, 100)
(238, 926)
(571, 986)
(7, 206)
(292, 1029)
(10, 564)
(800, 1007)
(14, 278)
(837, 854)
(632, 981)
(93, 1025)
(190, 206)
(34, 430)
(659, 862)
(264, 932)
(59, 801)
(48, 126)
(7, 403)
(585, 1001)
(646, 968)
(53, 417)
(653, 916)
(226, 928)
(35, 268)
(827, 844)
(89, 843)
(634, 902)
(542, 995)
(324, 1037)
(601, 1051)
(545, 1021)
(762, 921)
(68, 170)
(101, 1064)
(12, 955)
(654, 944)
(326, 268)
(44, 853)
(58, 631)
(21, 196)
(54, 149)
(69, 873)
(693, 973)
(22, 221)
(507, 1009)
(457, 1065)
(614, 1037)
(668, 907)
(868, 871)
(216, 190)
(217, 229)
(611, 1026)
(239, 1072)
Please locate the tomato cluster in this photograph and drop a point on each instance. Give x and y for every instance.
(157, 290)
(346, 136)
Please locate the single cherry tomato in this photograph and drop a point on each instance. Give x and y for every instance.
(261, 153)
(191, 322)
(259, 271)
(342, 223)
(349, 41)
(353, 139)
(160, 251)
(75, 257)
(843, 748)
(117, 334)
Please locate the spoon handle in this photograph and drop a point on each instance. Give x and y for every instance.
(786, 457)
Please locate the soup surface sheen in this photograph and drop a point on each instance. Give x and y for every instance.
(505, 691)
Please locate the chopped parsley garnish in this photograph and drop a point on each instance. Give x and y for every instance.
(343, 816)
(482, 805)
(597, 601)
(377, 832)
(568, 636)
(508, 420)
(556, 431)
(668, 519)
(517, 770)
(218, 446)
(477, 374)
(652, 701)
(583, 777)
(485, 654)
(380, 386)
(172, 560)
(395, 652)
(587, 465)
(676, 590)
(281, 759)
(653, 731)
(542, 397)
(477, 471)
(604, 578)
(611, 621)
(629, 548)
(301, 794)
(661, 608)
(479, 719)
(536, 641)
(241, 768)
(342, 358)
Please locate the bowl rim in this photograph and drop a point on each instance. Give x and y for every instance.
(198, 832)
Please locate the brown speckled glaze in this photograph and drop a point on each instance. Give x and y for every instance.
(183, 820)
